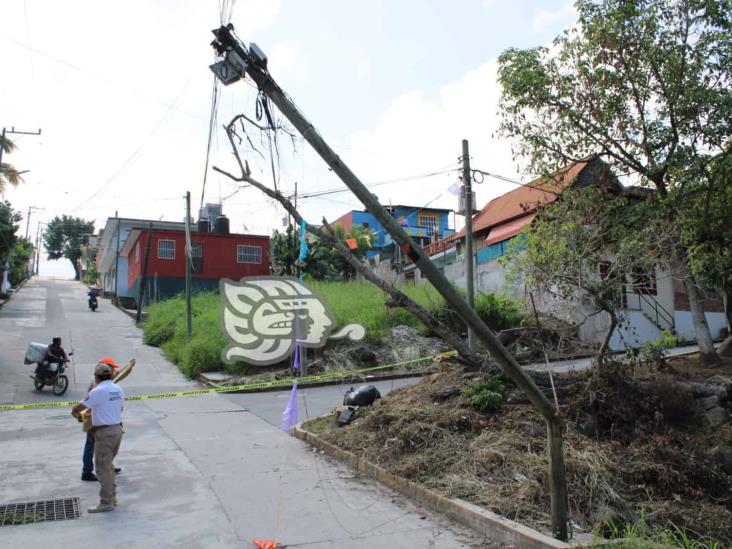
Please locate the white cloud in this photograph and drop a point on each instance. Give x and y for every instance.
(418, 134)
(543, 18)
(364, 70)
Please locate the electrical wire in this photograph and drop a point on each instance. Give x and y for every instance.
(376, 184)
(130, 159)
(215, 93)
(509, 180)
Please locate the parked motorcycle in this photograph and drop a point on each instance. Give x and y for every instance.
(47, 373)
(93, 303)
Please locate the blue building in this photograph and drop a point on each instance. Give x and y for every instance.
(425, 225)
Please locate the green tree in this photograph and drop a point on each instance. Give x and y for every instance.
(9, 224)
(584, 246)
(707, 222)
(646, 84)
(284, 250)
(64, 237)
(22, 253)
(322, 262)
(8, 174)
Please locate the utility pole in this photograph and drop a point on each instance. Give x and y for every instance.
(17, 132)
(469, 256)
(116, 261)
(27, 221)
(39, 240)
(189, 312)
(253, 62)
(143, 282)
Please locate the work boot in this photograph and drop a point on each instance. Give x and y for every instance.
(89, 476)
(101, 508)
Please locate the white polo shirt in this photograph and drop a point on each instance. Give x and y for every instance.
(106, 401)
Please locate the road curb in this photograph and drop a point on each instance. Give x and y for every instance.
(339, 381)
(15, 291)
(491, 525)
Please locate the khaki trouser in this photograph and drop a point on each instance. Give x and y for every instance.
(107, 439)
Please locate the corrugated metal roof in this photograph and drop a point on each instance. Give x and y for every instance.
(528, 198)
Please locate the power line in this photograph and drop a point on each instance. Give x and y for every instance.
(139, 149)
(376, 184)
(509, 180)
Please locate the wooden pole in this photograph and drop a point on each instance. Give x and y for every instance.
(189, 311)
(143, 282)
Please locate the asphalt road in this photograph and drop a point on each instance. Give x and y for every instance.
(208, 471)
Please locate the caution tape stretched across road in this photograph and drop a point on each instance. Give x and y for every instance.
(327, 376)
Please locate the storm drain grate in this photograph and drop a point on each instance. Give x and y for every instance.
(12, 514)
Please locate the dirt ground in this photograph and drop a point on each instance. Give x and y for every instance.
(637, 447)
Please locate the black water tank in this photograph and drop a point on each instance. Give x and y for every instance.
(204, 225)
(221, 225)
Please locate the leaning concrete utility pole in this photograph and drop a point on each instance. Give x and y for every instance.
(468, 205)
(240, 61)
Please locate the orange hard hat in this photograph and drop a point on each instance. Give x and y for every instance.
(109, 360)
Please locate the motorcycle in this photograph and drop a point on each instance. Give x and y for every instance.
(47, 373)
(93, 303)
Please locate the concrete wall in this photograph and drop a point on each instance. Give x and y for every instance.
(685, 327)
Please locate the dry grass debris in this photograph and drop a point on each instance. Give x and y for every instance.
(635, 449)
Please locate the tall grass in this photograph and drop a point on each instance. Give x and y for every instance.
(640, 536)
(166, 328)
(350, 302)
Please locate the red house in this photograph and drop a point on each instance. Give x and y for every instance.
(215, 256)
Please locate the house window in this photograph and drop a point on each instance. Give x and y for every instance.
(428, 222)
(644, 282)
(197, 258)
(248, 254)
(166, 249)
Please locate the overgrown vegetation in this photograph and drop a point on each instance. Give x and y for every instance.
(654, 351)
(636, 449)
(350, 302)
(639, 536)
(485, 395)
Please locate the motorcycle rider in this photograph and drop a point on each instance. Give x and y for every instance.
(93, 303)
(55, 354)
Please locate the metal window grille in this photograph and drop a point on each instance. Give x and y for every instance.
(248, 254)
(197, 258)
(166, 249)
(428, 223)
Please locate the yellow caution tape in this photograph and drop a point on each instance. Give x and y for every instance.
(327, 376)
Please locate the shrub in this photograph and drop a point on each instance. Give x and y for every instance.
(485, 395)
(498, 312)
(655, 351)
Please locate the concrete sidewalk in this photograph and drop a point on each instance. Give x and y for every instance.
(579, 364)
(197, 472)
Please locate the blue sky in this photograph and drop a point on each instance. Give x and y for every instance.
(122, 92)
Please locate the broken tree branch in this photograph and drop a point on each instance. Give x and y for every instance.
(326, 234)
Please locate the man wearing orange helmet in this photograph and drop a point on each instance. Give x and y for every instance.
(87, 469)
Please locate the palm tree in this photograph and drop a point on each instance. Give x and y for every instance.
(8, 173)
